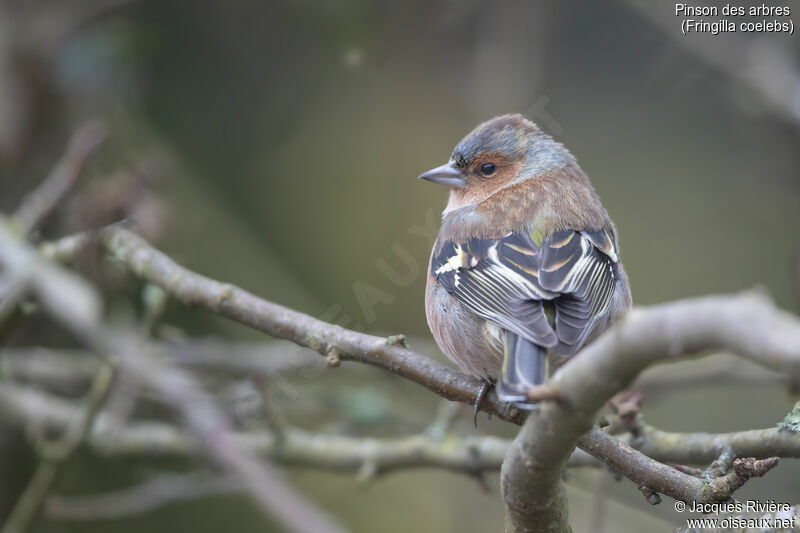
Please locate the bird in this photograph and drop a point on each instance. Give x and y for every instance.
(526, 263)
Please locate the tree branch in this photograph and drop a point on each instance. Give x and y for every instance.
(76, 367)
(660, 478)
(747, 324)
(135, 357)
(237, 304)
(23, 406)
(703, 448)
(295, 447)
(54, 454)
(718, 369)
(143, 498)
(38, 205)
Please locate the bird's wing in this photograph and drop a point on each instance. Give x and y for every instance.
(581, 267)
(506, 281)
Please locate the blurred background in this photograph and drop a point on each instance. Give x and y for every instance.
(276, 145)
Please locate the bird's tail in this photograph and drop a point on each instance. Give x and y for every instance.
(524, 366)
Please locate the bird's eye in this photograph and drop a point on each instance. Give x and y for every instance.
(487, 169)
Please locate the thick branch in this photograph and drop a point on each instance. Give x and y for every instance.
(748, 325)
(239, 305)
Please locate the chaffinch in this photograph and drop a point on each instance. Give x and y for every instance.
(526, 261)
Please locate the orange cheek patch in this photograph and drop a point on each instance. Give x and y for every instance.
(479, 188)
(505, 174)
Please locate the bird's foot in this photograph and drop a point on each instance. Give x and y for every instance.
(485, 388)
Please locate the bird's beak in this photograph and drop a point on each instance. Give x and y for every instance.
(446, 174)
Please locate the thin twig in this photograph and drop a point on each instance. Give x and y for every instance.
(199, 411)
(38, 205)
(77, 366)
(295, 447)
(720, 369)
(140, 499)
(54, 454)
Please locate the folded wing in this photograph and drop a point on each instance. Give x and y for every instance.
(506, 281)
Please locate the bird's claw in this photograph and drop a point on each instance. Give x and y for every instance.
(485, 388)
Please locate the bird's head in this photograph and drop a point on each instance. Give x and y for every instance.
(501, 152)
